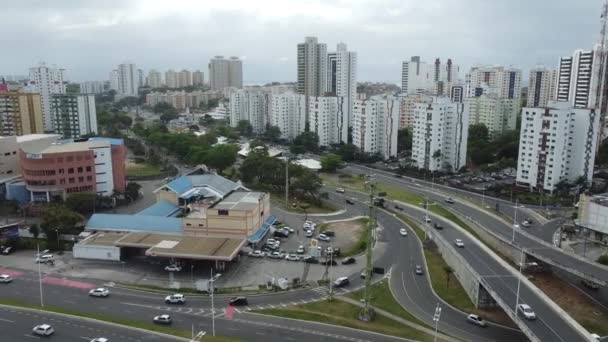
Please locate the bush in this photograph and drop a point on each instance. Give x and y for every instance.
(603, 259)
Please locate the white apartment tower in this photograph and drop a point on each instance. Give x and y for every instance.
(541, 87)
(441, 130)
(323, 111)
(92, 87)
(171, 79)
(504, 82)
(155, 79)
(251, 106)
(141, 79)
(46, 81)
(114, 80)
(556, 143)
(444, 76)
(416, 76)
(127, 79)
(407, 105)
(74, 115)
(496, 113)
(312, 67)
(184, 78)
(577, 79)
(376, 125)
(287, 112)
(342, 82)
(198, 78)
(225, 73)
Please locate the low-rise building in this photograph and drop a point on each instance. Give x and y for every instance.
(10, 146)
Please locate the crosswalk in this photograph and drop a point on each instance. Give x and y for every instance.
(323, 291)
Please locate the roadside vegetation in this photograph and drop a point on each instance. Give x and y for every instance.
(142, 170)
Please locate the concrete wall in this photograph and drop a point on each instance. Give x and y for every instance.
(96, 252)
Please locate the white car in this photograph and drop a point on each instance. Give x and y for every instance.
(292, 257)
(99, 292)
(173, 268)
(477, 320)
(100, 339)
(427, 219)
(324, 237)
(403, 232)
(526, 310)
(340, 190)
(276, 255)
(175, 299)
(342, 281)
(309, 233)
(301, 249)
(271, 241)
(45, 258)
(162, 319)
(289, 229)
(256, 254)
(309, 225)
(5, 278)
(525, 223)
(459, 243)
(43, 330)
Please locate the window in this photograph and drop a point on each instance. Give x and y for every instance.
(61, 171)
(222, 212)
(71, 180)
(70, 159)
(71, 170)
(89, 178)
(88, 169)
(80, 169)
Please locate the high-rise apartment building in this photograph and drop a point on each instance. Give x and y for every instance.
(141, 79)
(441, 130)
(324, 118)
(376, 125)
(444, 76)
(92, 87)
(420, 77)
(20, 114)
(577, 78)
(504, 82)
(251, 106)
(496, 113)
(457, 93)
(171, 79)
(198, 78)
(155, 79)
(541, 87)
(312, 67)
(46, 81)
(556, 143)
(128, 80)
(114, 80)
(287, 112)
(342, 82)
(74, 115)
(407, 105)
(184, 79)
(225, 73)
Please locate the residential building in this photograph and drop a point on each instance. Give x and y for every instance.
(556, 143)
(114, 80)
(182, 99)
(141, 79)
(46, 81)
(444, 76)
(457, 93)
(128, 80)
(225, 73)
(184, 79)
(251, 106)
(20, 114)
(74, 115)
(96, 165)
(496, 113)
(407, 104)
(325, 118)
(503, 82)
(416, 76)
(287, 112)
(171, 79)
(342, 82)
(376, 125)
(10, 146)
(198, 78)
(578, 78)
(440, 135)
(155, 79)
(312, 67)
(542, 86)
(92, 87)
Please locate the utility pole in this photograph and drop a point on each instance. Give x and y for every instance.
(367, 314)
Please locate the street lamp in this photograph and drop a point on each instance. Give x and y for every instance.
(212, 282)
(436, 318)
(39, 273)
(521, 264)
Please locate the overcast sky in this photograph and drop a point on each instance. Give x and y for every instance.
(89, 37)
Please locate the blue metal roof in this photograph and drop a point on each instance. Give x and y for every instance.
(179, 185)
(113, 141)
(162, 208)
(134, 223)
(260, 232)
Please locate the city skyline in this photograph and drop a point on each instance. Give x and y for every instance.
(477, 35)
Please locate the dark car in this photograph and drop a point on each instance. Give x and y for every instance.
(8, 250)
(398, 176)
(398, 207)
(311, 260)
(348, 261)
(350, 202)
(238, 301)
(281, 233)
(329, 233)
(590, 285)
(437, 226)
(277, 223)
(329, 262)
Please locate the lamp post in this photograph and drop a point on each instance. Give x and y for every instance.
(521, 264)
(436, 318)
(39, 274)
(514, 222)
(212, 282)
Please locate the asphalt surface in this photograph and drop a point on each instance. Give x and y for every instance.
(16, 325)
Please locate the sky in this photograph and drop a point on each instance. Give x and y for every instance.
(90, 37)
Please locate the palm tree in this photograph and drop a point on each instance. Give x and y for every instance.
(448, 272)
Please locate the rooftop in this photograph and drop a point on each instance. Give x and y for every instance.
(75, 146)
(134, 223)
(206, 185)
(113, 141)
(32, 137)
(103, 239)
(272, 152)
(311, 164)
(161, 208)
(240, 200)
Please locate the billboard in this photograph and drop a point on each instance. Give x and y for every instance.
(9, 231)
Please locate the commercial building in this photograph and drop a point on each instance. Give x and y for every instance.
(74, 115)
(10, 146)
(128, 80)
(251, 106)
(46, 81)
(496, 113)
(407, 104)
(376, 125)
(96, 165)
(312, 67)
(155, 79)
(20, 113)
(198, 78)
(440, 135)
(593, 216)
(542, 87)
(342, 81)
(92, 87)
(225, 73)
(556, 143)
(287, 112)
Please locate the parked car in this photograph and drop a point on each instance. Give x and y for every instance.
(173, 268)
(238, 301)
(419, 270)
(8, 250)
(449, 200)
(331, 262)
(175, 299)
(311, 260)
(349, 202)
(5, 278)
(43, 330)
(281, 233)
(329, 233)
(324, 237)
(99, 292)
(348, 261)
(403, 232)
(162, 319)
(398, 207)
(590, 285)
(340, 190)
(459, 243)
(342, 281)
(276, 255)
(526, 310)
(525, 223)
(45, 258)
(477, 320)
(292, 257)
(309, 233)
(256, 254)
(289, 229)
(437, 226)
(301, 249)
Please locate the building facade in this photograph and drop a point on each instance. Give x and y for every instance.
(171, 79)
(182, 99)
(114, 80)
(342, 82)
(407, 104)
(92, 87)
(578, 78)
(225, 73)
(20, 114)
(128, 80)
(593, 216)
(287, 112)
(154, 79)
(46, 81)
(184, 78)
(312, 67)
(542, 87)
(376, 125)
(416, 76)
(556, 143)
(198, 78)
(74, 115)
(440, 135)
(496, 113)
(251, 106)
(10, 146)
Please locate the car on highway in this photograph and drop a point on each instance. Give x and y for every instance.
(397, 176)
(173, 268)
(349, 202)
(526, 223)
(587, 283)
(162, 319)
(45, 258)
(256, 254)
(419, 270)
(175, 298)
(276, 255)
(301, 249)
(100, 339)
(437, 226)
(527, 311)
(403, 232)
(309, 233)
(43, 330)
(331, 262)
(324, 237)
(449, 200)
(427, 219)
(477, 320)
(340, 190)
(342, 281)
(5, 278)
(398, 207)
(238, 301)
(459, 243)
(99, 292)
(348, 261)
(311, 260)
(292, 257)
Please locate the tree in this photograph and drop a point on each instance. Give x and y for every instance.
(273, 134)
(34, 230)
(220, 157)
(57, 220)
(331, 162)
(305, 142)
(404, 139)
(166, 117)
(81, 202)
(132, 190)
(478, 135)
(448, 274)
(603, 259)
(245, 129)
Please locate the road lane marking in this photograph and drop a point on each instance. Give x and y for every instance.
(31, 336)
(6, 320)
